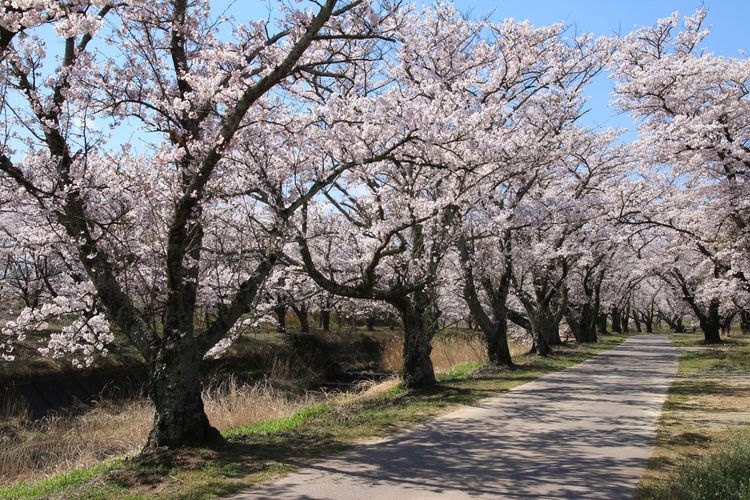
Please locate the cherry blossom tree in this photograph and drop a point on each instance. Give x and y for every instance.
(534, 90)
(691, 108)
(395, 218)
(156, 235)
(393, 244)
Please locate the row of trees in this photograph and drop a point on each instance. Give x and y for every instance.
(406, 159)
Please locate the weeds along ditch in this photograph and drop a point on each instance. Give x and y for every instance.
(297, 372)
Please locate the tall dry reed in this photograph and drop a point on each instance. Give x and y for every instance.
(55, 444)
(447, 352)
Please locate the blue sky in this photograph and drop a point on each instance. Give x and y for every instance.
(606, 17)
(728, 20)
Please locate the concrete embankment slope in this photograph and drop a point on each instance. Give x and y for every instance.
(586, 432)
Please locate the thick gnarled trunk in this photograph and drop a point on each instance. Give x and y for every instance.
(497, 345)
(545, 330)
(419, 315)
(175, 390)
(494, 326)
(708, 316)
(710, 323)
(582, 323)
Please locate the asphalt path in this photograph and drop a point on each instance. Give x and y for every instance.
(585, 432)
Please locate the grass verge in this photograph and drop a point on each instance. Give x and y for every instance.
(703, 441)
(34, 449)
(257, 452)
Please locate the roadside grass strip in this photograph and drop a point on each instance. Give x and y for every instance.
(703, 442)
(259, 452)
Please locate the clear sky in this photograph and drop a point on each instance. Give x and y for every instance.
(729, 21)
(729, 18)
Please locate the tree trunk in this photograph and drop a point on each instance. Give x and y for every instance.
(745, 322)
(549, 327)
(711, 324)
(649, 322)
(419, 316)
(637, 323)
(371, 323)
(494, 328)
(711, 333)
(541, 345)
(325, 320)
(679, 326)
(497, 346)
(626, 320)
(303, 316)
(543, 331)
(581, 324)
(574, 323)
(304, 321)
(280, 311)
(726, 324)
(175, 390)
(675, 323)
(616, 320)
(553, 334)
(601, 324)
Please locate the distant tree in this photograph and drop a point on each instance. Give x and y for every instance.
(694, 137)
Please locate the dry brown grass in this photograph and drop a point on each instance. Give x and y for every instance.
(231, 404)
(33, 450)
(447, 352)
(61, 443)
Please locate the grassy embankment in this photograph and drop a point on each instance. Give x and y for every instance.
(259, 450)
(703, 441)
(264, 378)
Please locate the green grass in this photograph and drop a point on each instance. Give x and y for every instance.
(459, 371)
(274, 426)
(67, 481)
(722, 474)
(396, 390)
(693, 458)
(255, 453)
(731, 357)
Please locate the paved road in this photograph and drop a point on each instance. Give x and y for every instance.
(582, 433)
